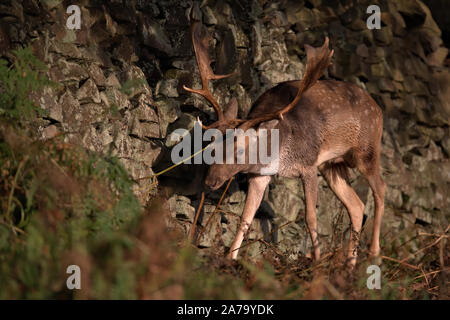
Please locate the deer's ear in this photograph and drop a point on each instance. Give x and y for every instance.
(231, 109)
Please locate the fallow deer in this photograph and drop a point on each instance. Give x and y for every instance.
(324, 126)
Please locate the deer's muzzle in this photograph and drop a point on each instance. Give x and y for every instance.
(214, 183)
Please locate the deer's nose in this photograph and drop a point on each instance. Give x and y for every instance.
(213, 184)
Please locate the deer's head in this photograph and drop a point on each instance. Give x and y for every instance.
(246, 133)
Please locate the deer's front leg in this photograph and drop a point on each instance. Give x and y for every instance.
(310, 186)
(256, 187)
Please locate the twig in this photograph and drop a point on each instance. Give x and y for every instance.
(11, 193)
(431, 235)
(266, 234)
(441, 254)
(435, 242)
(395, 273)
(312, 268)
(271, 246)
(427, 274)
(332, 290)
(194, 224)
(14, 228)
(401, 262)
(214, 212)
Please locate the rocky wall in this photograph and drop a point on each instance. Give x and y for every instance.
(121, 78)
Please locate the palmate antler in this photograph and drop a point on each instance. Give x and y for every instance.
(318, 59)
(200, 40)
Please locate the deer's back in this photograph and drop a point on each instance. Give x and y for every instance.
(332, 118)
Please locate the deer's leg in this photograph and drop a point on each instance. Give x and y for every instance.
(371, 171)
(310, 186)
(335, 176)
(378, 187)
(256, 187)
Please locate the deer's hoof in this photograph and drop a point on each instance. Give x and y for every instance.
(375, 259)
(350, 263)
(229, 256)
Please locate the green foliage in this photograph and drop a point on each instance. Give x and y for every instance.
(131, 85)
(59, 204)
(24, 76)
(64, 201)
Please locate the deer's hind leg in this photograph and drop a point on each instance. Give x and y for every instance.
(369, 165)
(310, 187)
(336, 177)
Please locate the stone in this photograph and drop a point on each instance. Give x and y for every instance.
(397, 75)
(92, 113)
(244, 101)
(437, 58)
(110, 25)
(113, 81)
(212, 230)
(168, 88)
(134, 82)
(71, 71)
(47, 100)
(93, 55)
(144, 188)
(49, 132)
(385, 84)
(183, 209)
(394, 198)
(362, 50)
(51, 4)
(96, 74)
(68, 50)
(422, 215)
(208, 16)
(125, 52)
(358, 25)
(446, 143)
(88, 93)
(284, 202)
(230, 229)
(145, 120)
(154, 36)
(168, 112)
(256, 43)
(351, 15)
(144, 109)
(435, 133)
(143, 129)
(378, 70)
(306, 19)
(126, 146)
(383, 36)
(185, 121)
(114, 98)
(226, 51)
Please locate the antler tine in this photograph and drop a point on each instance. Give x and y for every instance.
(201, 44)
(318, 59)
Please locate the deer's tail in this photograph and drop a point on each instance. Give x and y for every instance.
(332, 171)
